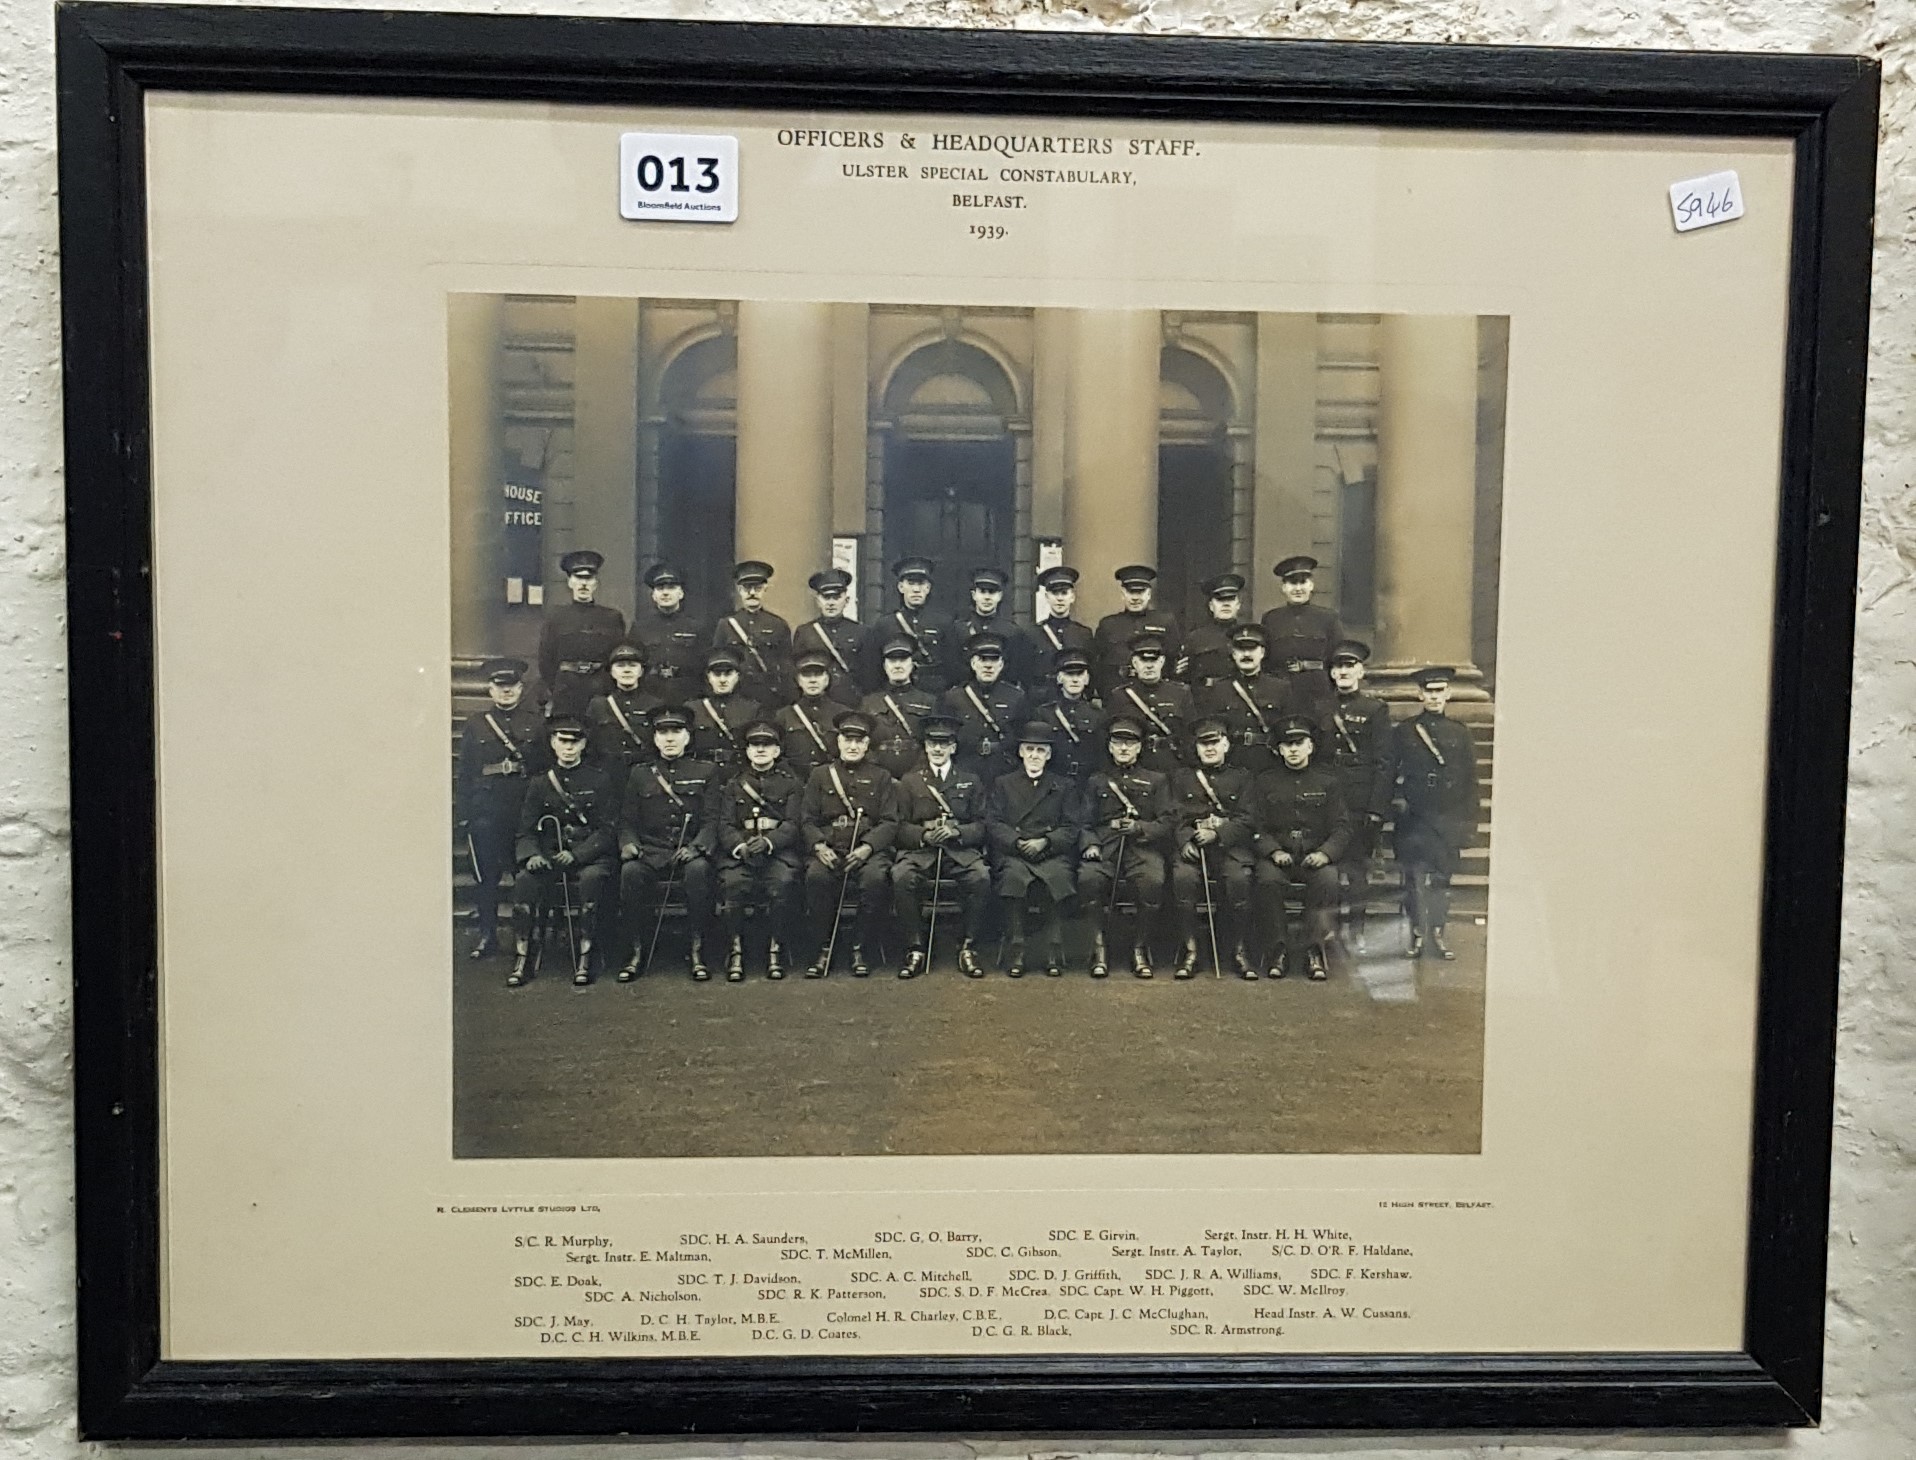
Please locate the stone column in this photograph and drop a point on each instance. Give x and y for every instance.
(785, 429)
(1284, 450)
(473, 343)
(1426, 488)
(1050, 399)
(1243, 448)
(605, 448)
(1111, 449)
(1024, 549)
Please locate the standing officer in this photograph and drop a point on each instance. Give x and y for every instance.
(755, 827)
(1363, 751)
(929, 634)
(499, 748)
(839, 638)
(566, 831)
(1302, 635)
(1212, 803)
(1059, 631)
(1075, 716)
(1116, 632)
(988, 710)
(1207, 649)
(675, 642)
(988, 616)
(897, 707)
(1437, 769)
(617, 721)
(807, 720)
(941, 841)
(720, 715)
(665, 835)
(1302, 828)
(1127, 819)
(1032, 823)
(848, 817)
(761, 639)
(1249, 701)
(1161, 706)
(576, 636)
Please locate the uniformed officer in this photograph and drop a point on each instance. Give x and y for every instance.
(499, 748)
(755, 826)
(848, 818)
(666, 839)
(675, 641)
(1127, 820)
(1363, 751)
(1207, 648)
(1075, 715)
(720, 715)
(930, 634)
(617, 723)
(839, 638)
(1249, 701)
(1302, 827)
(1437, 776)
(941, 844)
(1033, 826)
(989, 616)
(807, 720)
(897, 707)
(1059, 630)
(989, 711)
(761, 639)
(1212, 801)
(1161, 706)
(1302, 635)
(566, 840)
(576, 636)
(1116, 632)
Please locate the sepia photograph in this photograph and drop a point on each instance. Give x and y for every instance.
(914, 729)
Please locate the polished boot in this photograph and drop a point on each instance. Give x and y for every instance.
(913, 965)
(629, 970)
(1245, 964)
(774, 960)
(487, 945)
(1015, 931)
(518, 976)
(735, 960)
(699, 971)
(1416, 949)
(1187, 959)
(1276, 969)
(1437, 942)
(860, 967)
(1100, 961)
(1315, 961)
(1140, 960)
(582, 973)
(968, 960)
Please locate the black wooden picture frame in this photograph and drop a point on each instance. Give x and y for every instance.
(111, 55)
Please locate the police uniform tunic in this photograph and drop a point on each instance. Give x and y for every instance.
(842, 641)
(988, 716)
(619, 729)
(1298, 812)
(584, 802)
(1302, 636)
(758, 804)
(1207, 652)
(1162, 710)
(897, 712)
(1362, 746)
(1049, 636)
(1076, 745)
(1018, 648)
(574, 640)
(838, 801)
(1250, 709)
(806, 724)
(934, 641)
(1021, 809)
(666, 806)
(1220, 797)
(499, 750)
(763, 643)
(675, 645)
(1111, 643)
(1110, 793)
(924, 800)
(1437, 772)
(718, 728)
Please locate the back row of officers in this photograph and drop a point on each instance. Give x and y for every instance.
(775, 776)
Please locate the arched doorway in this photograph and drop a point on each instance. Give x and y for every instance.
(698, 471)
(1194, 480)
(950, 467)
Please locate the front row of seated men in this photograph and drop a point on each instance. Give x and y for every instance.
(760, 843)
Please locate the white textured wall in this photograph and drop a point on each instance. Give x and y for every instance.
(1871, 1410)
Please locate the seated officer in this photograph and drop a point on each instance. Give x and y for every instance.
(1207, 649)
(675, 642)
(1248, 701)
(988, 710)
(1032, 826)
(1116, 632)
(721, 714)
(1162, 707)
(1212, 805)
(929, 633)
(760, 638)
(1362, 750)
(617, 722)
(839, 638)
(1437, 769)
(1127, 819)
(941, 841)
(807, 720)
(1075, 715)
(499, 748)
(566, 840)
(988, 616)
(665, 838)
(1051, 635)
(897, 707)
(1302, 827)
(755, 829)
(848, 818)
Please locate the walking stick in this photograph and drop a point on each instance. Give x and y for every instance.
(931, 933)
(1117, 874)
(1210, 911)
(565, 892)
(665, 892)
(844, 886)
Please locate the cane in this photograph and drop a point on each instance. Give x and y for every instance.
(1117, 874)
(665, 892)
(1210, 911)
(844, 886)
(931, 933)
(565, 892)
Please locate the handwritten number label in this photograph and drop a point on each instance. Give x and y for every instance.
(1703, 201)
(677, 177)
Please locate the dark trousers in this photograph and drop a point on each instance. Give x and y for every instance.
(1142, 870)
(1230, 893)
(588, 888)
(492, 838)
(642, 887)
(1319, 888)
(764, 886)
(963, 868)
(1428, 860)
(872, 882)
